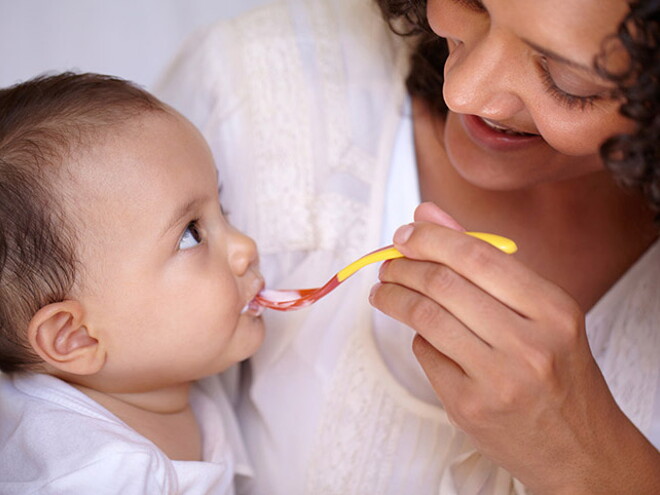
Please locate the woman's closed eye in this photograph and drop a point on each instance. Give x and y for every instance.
(191, 236)
(570, 90)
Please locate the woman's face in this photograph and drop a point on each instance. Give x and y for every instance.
(527, 106)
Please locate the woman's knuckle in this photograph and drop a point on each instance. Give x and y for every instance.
(477, 254)
(423, 313)
(568, 321)
(440, 279)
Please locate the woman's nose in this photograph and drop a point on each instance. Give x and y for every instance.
(481, 79)
(242, 252)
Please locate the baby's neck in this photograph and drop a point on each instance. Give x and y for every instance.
(163, 416)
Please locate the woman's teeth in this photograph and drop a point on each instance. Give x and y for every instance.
(505, 130)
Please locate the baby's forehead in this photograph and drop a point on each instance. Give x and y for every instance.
(101, 146)
(147, 155)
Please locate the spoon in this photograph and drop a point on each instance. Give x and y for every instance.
(289, 300)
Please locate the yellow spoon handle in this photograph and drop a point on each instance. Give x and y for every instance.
(380, 255)
(500, 242)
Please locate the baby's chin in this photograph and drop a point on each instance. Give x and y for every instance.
(250, 335)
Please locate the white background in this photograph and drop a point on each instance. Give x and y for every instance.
(134, 39)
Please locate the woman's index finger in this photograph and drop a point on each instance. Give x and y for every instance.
(495, 272)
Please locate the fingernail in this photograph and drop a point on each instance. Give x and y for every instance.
(403, 233)
(373, 291)
(382, 268)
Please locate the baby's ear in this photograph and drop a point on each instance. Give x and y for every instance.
(59, 336)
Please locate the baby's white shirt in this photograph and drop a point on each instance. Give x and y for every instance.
(56, 440)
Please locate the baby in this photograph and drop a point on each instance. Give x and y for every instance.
(123, 292)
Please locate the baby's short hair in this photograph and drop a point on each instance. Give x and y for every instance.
(43, 122)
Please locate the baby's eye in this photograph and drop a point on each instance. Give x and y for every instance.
(191, 237)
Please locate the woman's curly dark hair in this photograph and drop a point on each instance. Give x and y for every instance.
(632, 158)
(425, 80)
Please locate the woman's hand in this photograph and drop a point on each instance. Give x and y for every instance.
(506, 352)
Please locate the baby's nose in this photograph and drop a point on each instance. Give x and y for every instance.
(242, 252)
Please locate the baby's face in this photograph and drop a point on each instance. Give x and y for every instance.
(164, 277)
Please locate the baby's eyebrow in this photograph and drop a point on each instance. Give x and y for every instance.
(182, 212)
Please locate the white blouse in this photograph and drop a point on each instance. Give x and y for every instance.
(302, 102)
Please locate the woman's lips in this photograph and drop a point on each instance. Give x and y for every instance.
(495, 137)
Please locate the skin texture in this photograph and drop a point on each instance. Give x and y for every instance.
(164, 280)
(501, 337)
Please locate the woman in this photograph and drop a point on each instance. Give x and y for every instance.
(325, 154)
(505, 349)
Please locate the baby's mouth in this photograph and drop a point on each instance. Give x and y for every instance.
(252, 308)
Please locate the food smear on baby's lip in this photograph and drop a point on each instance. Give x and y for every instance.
(253, 307)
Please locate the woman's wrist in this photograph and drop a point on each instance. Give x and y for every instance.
(624, 462)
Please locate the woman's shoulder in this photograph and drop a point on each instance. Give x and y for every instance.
(624, 337)
(639, 287)
(301, 19)
(297, 34)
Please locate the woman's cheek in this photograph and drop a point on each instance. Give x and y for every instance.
(570, 140)
(577, 135)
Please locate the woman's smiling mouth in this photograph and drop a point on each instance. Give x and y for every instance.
(493, 136)
(505, 129)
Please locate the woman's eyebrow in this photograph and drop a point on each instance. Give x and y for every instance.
(559, 58)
